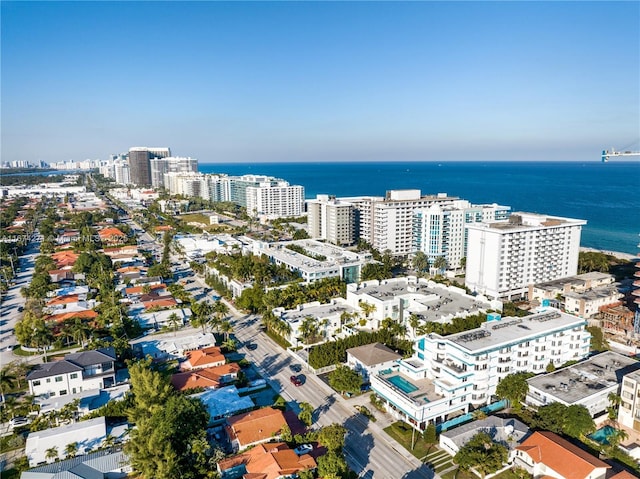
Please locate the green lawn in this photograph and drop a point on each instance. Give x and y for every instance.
(402, 433)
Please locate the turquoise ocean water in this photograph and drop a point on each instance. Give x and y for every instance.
(607, 195)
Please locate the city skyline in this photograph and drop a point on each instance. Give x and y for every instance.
(305, 81)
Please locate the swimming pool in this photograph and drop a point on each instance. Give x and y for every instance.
(602, 435)
(403, 384)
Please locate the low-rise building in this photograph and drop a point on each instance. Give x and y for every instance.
(266, 461)
(400, 298)
(506, 431)
(224, 402)
(255, 427)
(93, 369)
(208, 357)
(449, 375)
(212, 377)
(314, 260)
(587, 383)
(105, 464)
(370, 359)
(545, 454)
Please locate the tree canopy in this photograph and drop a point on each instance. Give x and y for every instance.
(482, 454)
(345, 379)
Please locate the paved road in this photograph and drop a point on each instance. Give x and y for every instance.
(9, 314)
(369, 451)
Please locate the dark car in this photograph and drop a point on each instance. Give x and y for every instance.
(296, 368)
(295, 380)
(252, 346)
(20, 309)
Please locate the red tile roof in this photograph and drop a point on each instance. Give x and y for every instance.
(111, 233)
(269, 461)
(70, 298)
(139, 289)
(560, 455)
(256, 426)
(204, 357)
(160, 303)
(88, 314)
(204, 378)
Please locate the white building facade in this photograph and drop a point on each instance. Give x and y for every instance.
(331, 220)
(440, 229)
(505, 257)
(271, 201)
(449, 375)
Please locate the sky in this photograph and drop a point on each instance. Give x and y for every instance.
(320, 81)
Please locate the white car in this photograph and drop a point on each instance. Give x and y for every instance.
(303, 449)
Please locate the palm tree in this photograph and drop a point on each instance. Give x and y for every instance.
(71, 449)
(440, 263)
(174, 321)
(7, 379)
(226, 328)
(51, 453)
(109, 441)
(367, 309)
(414, 322)
(309, 328)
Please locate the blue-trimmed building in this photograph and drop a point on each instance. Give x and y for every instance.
(452, 375)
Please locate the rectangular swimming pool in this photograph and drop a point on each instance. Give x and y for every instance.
(404, 385)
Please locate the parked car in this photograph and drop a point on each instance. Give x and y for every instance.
(295, 380)
(296, 368)
(20, 309)
(303, 449)
(18, 421)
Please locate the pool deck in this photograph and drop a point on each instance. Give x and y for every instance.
(426, 389)
(633, 441)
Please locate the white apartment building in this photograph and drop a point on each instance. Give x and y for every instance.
(331, 220)
(587, 383)
(122, 172)
(319, 260)
(399, 298)
(170, 164)
(270, 201)
(387, 223)
(440, 229)
(449, 375)
(629, 412)
(505, 257)
(327, 317)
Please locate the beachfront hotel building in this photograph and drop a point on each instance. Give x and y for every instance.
(450, 375)
(439, 230)
(170, 164)
(505, 257)
(275, 199)
(387, 222)
(331, 219)
(140, 163)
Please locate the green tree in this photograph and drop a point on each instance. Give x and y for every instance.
(345, 379)
(306, 413)
(440, 263)
(551, 417)
(430, 435)
(598, 342)
(578, 421)
(481, 454)
(174, 321)
(332, 466)
(332, 437)
(151, 390)
(51, 453)
(420, 262)
(71, 449)
(514, 388)
(367, 309)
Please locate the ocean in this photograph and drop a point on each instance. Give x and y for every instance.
(607, 195)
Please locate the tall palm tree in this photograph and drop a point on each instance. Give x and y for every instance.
(71, 449)
(7, 379)
(174, 321)
(414, 322)
(440, 263)
(51, 453)
(367, 309)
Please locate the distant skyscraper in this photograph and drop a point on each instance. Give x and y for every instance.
(139, 163)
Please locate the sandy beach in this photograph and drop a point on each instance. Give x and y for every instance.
(617, 254)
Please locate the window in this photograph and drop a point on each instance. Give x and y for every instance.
(74, 376)
(58, 379)
(63, 392)
(36, 383)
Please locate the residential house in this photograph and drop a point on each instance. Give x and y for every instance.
(545, 454)
(210, 356)
(112, 235)
(77, 372)
(370, 359)
(212, 377)
(506, 431)
(255, 427)
(224, 402)
(266, 461)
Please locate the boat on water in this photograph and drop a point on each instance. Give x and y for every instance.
(612, 153)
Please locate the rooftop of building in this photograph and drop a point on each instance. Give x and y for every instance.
(375, 353)
(602, 292)
(523, 221)
(578, 280)
(572, 384)
(514, 330)
(317, 310)
(508, 431)
(428, 300)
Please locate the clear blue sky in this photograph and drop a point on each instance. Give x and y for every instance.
(302, 81)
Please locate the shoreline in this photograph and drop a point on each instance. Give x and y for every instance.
(617, 254)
